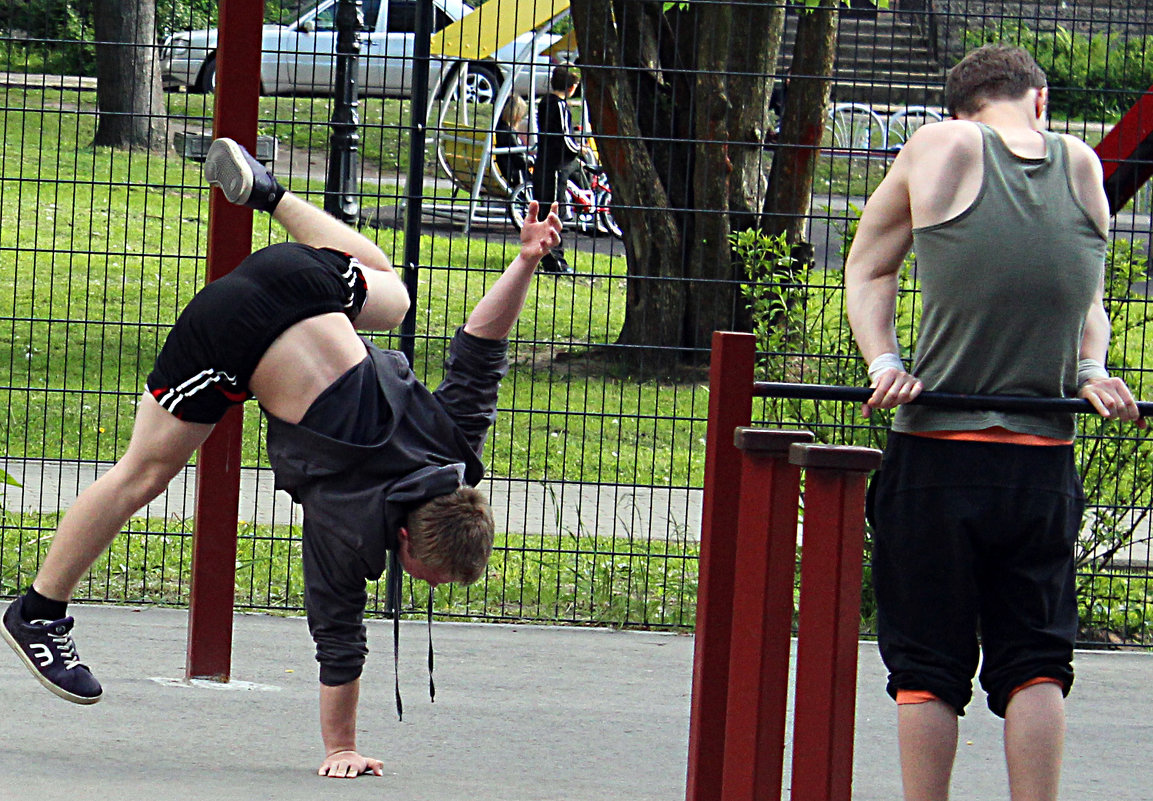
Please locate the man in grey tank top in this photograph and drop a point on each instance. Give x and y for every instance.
(975, 513)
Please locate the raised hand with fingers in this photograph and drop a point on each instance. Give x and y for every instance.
(538, 237)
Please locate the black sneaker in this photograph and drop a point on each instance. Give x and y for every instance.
(243, 179)
(49, 652)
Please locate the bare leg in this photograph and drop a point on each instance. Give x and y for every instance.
(1034, 742)
(496, 313)
(160, 447)
(387, 299)
(313, 226)
(927, 734)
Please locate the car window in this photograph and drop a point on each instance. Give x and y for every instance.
(325, 19)
(371, 11)
(402, 17)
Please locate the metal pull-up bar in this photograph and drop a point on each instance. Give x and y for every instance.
(952, 400)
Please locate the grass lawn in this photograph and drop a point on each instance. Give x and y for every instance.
(99, 250)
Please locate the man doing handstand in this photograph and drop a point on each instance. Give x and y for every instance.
(378, 462)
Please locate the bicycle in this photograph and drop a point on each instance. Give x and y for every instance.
(591, 208)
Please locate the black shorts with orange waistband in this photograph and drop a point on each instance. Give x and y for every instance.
(211, 352)
(973, 555)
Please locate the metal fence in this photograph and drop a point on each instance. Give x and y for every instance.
(595, 464)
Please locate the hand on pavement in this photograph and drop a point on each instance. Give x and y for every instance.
(349, 765)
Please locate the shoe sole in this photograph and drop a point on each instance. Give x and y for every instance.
(230, 172)
(52, 688)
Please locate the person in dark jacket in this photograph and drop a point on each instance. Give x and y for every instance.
(558, 153)
(378, 461)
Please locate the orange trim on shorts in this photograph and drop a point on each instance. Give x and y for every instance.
(915, 697)
(1035, 682)
(994, 434)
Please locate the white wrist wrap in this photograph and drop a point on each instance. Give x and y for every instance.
(884, 362)
(1090, 368)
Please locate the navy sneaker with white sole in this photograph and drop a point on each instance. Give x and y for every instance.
(47, 649)
(243, 179)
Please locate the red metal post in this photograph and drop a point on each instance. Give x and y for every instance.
(218, 465)
(762, 615)
(826, 683)
(730, 406)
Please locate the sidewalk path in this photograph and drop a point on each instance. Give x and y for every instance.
(520, 507)
(523, 713)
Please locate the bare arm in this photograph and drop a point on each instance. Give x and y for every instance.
(495, 314)
(338, 729)
(884, 236)
(1109, 396)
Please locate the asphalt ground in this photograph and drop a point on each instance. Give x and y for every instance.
(523, 713)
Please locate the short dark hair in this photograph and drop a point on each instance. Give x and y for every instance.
(453, 533)
(993, 72)
(564, 78)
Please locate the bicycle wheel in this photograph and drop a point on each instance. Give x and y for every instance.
(604, 201)
(518, 204)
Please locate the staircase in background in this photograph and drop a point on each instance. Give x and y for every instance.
(883, 60)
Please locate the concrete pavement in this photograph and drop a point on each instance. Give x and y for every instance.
(523, 713)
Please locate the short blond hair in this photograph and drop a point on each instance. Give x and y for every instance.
(514, 111)
(453, 533)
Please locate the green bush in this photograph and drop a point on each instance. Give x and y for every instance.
(1090, 77)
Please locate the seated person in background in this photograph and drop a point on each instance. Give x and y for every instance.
(509, 133)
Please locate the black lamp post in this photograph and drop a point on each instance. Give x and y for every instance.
(340, 190)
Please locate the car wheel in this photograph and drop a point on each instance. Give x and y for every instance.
(518, 204)
(481, 84)
(207, 82)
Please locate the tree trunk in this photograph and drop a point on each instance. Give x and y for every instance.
(803, 124)
(129, 95)
(737, 50)
(652, 239)
(681, 149)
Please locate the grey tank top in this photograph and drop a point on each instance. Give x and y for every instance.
(1005, 287)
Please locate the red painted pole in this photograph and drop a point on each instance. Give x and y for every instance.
(730, 406)
(218, 465)
(826, 683)
(766, 559)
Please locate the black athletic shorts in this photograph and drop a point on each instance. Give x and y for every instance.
(214, 347)
(975, 539)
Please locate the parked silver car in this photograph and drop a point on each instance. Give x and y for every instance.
(300, 57)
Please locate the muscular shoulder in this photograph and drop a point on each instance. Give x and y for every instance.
(1084, 163)
(945, 141)
(1087, 178)
(942, 162)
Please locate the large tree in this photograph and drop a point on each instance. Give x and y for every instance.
(129, 94)
(678, 93)
(803, 123)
